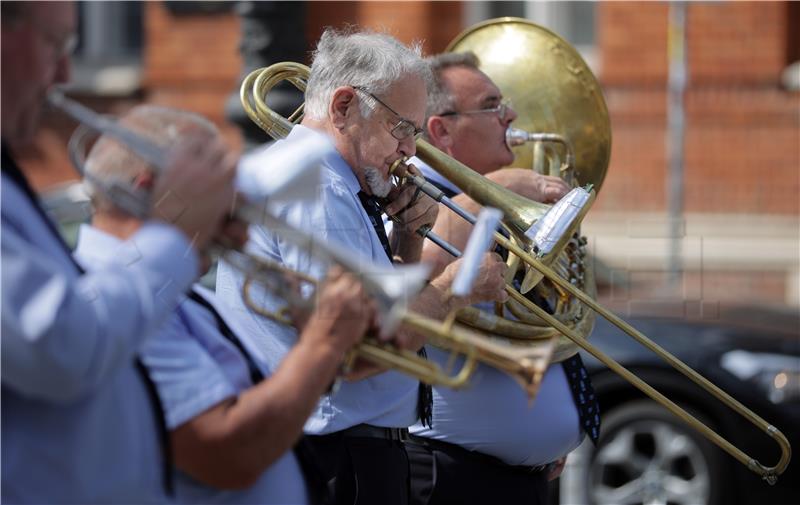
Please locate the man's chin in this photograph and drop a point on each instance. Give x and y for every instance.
(508, 159)
(378, 186)
(381, 191)
(24, 135)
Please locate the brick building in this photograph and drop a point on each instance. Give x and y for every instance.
(739, 234)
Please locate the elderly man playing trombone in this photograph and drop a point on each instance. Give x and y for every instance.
(367, 92)
(232, 421)
(509, 454)
(79, 424)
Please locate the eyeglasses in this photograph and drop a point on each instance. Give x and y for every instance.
(62, 46)
(501, 110)
(404, 127)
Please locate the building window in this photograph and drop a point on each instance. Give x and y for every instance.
(107, 60)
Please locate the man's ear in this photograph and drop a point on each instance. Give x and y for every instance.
(342, 105)
(145, 180)
(439, 133)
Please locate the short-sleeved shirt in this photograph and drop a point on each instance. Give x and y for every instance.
(493, 415)
(78, 424)
(387, 399)
(195, 368)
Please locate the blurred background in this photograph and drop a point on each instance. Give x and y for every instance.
(696, 227)
(724, 231)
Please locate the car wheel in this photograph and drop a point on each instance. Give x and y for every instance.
(646, 455)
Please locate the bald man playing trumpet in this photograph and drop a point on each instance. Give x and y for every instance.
(232, 421)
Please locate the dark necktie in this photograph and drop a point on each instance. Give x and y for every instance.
(375, 214)
(9, 166)
(583, 393)
(373, 209)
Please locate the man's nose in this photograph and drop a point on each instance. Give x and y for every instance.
(511, 115)
(408, 146)
(63, 67)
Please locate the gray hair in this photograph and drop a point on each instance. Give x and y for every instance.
(441, 99)
(372, 60)
(111, 162)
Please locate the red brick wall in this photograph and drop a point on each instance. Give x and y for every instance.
(432, 23)
(192, 62)
(743, 131)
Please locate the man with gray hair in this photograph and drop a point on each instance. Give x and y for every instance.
(467, 456)
(79, 424)
(232, 422)
(367, 92)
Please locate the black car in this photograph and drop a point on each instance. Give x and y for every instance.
(646, 455)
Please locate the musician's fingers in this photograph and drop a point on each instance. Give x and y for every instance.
(401, 200)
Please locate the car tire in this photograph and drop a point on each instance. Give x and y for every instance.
(646, 455)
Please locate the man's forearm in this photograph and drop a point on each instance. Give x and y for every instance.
(231, 445)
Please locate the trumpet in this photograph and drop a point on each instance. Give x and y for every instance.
(253, 95)
(391, 288)
(525, 365)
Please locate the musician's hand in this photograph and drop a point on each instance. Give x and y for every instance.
(531, 185)
(196, 191)
(343, 313)
(410, 209)
(489, 284)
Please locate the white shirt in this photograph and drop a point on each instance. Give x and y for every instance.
(388, 399)
(493, 415)
(77, 423)
(195, 368)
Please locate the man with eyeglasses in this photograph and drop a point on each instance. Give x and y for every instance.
(486, 444)
(367, 92)
(80, 422)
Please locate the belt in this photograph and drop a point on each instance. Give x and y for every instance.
(369, 431)
(455, 450)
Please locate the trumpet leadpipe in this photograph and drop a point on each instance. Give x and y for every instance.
(151, 152)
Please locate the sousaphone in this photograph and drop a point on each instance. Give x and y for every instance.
(556, 96)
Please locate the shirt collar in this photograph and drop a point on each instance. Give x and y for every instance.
(97, 246)
(334, 161)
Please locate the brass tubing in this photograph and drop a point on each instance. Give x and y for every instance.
(770, 474)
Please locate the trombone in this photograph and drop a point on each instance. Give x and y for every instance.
(253, 96)
(521, 214)
(390, 288)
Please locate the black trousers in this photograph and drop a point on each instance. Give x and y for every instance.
(443, 473)
(361, 470)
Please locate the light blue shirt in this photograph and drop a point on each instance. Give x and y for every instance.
(388, 399)
(493, 415)
(195, 368)
(77, 423)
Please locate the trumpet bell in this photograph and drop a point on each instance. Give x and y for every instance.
(565, 97)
